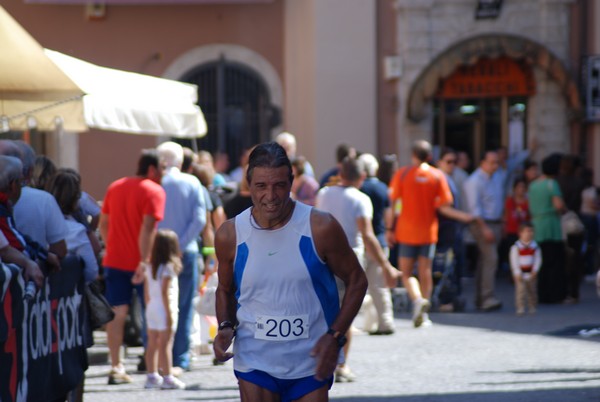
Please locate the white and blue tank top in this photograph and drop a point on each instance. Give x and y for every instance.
(287, 297)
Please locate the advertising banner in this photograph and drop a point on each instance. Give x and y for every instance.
(42, 348)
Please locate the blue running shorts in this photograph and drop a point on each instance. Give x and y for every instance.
(289, 390)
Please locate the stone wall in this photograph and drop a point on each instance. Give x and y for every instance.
(426, 28)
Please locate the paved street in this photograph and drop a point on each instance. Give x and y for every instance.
(470, 356)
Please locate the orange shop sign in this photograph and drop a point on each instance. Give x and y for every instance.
(489, 78)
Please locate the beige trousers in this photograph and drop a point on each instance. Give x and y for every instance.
(526, 292)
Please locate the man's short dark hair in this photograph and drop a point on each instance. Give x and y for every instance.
(188, 159)
(268, 155)
(341, 152)
(445, 151)
(529, 163)
(352, 169)
(551, 164)
(486, 153)
(421, 149)
(149, 157)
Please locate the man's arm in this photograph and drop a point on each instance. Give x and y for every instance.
(198, 219)
(31, 271)
(103, 227)
(226, 303)
(145, 240)
(389, 221)
(471, 196)
(473, 205)
(373, 248)
(59, 248)
(146, 237)
(333, 248)
(450, 212)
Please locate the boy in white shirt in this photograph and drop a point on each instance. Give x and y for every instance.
(525, 262)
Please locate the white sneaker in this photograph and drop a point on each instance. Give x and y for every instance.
(171, 382)
(344, 374)
(153, 381)
(420, 308)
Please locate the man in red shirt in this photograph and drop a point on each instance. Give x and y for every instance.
(423, 191)
(131, 210)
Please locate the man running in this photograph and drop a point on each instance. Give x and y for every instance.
(277, 293)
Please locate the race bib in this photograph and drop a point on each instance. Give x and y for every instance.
(283, 328)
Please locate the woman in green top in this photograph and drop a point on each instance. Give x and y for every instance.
(545, 205)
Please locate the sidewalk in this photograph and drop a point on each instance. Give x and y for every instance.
(467, 356)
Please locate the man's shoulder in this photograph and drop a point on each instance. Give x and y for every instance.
(375, 184)
(320, 220)
(30, 192)
(182, 178)
(356, 194)
(131, 185)
(476, 176)
(34, 198)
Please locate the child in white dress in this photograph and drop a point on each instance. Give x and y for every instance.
(162, 295)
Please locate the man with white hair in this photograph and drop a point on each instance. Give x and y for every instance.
(382, 217)
(288, 142)
(185, 214)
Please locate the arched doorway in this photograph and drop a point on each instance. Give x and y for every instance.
(555, 96)
(484, 106)
(239, 92)
(236, 105)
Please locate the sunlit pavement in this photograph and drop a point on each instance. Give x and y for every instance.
(468, 356)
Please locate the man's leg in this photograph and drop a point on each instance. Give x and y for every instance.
(114, 334)
(425, 279)
(412, 286)
(318, 395)
(114, 339)
(485, 275)
(250, 392)
(188, 285)
(118, 294)
(381, 296)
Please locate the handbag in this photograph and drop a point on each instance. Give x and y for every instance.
(100, 311)
(571, 224)
(208, 296)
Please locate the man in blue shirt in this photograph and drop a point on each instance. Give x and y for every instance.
(185, 214)
(485, 200)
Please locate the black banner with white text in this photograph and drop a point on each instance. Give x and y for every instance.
(42, 348)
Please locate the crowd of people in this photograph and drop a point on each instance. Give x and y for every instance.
(289, 272)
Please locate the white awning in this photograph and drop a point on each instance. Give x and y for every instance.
(134, 103)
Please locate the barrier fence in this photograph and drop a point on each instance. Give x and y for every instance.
(42, 341)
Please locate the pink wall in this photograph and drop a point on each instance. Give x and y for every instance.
(128, 38)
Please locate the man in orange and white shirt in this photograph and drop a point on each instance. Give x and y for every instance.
(423, 191)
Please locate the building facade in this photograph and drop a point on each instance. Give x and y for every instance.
(376, 74)
(480, 82)
(262, 66)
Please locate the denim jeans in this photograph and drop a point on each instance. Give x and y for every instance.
(188, 286)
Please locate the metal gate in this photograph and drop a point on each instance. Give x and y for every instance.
(236, 105)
